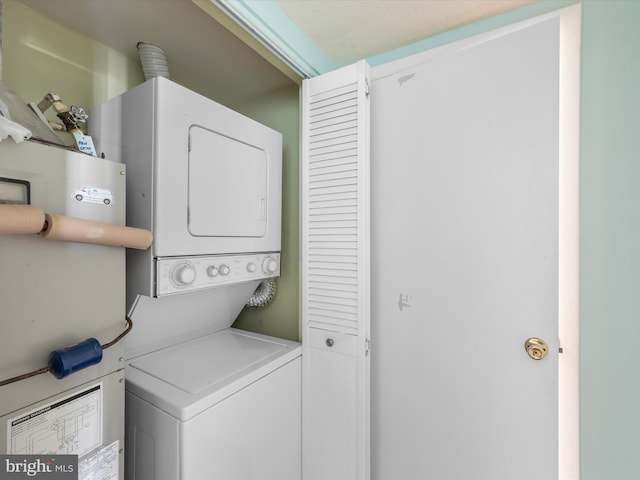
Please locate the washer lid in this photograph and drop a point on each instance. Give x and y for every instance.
(202, 363)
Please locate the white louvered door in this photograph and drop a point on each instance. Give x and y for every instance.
(335, 272)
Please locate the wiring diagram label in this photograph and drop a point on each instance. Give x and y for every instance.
(70, 425)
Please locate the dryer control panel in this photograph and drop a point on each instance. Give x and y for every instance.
(182, 274)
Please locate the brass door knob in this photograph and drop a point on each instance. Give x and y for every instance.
(536, 348)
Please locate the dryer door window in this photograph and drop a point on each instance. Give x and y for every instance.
(227, 186)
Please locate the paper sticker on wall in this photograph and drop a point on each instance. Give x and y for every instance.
(101, 465)
(93, 195)
(84, 143)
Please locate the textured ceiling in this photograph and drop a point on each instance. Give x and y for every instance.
(206, 57)
(349, 30)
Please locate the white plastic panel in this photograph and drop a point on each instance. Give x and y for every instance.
(202, 363)
(227, 186)
(255, 434)
(213, 271)
(152, 446)
(330, 443)
(207, 369)
(155, 318)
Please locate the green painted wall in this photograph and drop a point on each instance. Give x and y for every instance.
(280, 318)
(610, 240)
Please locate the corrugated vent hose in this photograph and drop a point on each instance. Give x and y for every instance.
(264, 294)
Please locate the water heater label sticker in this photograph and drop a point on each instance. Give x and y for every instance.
(71, 425)
(102, 465)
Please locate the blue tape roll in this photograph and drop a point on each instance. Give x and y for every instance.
(66, 361)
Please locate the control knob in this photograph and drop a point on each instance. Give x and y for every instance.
(212, 271)
(183, 274)
(224, 270)
(269, 266)
(251, 267)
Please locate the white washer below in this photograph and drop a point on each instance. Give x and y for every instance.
(225, 405)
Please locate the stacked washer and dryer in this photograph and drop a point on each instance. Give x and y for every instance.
(203, 400)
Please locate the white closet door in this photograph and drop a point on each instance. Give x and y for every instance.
(475, 250)
(335, 263)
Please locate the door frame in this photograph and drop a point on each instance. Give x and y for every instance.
(569, 244)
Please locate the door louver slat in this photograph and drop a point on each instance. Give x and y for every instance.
(333, 149)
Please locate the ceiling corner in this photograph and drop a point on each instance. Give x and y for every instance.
(272, 28)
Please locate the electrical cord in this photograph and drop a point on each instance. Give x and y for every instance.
(46, 369)
(121, 336)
